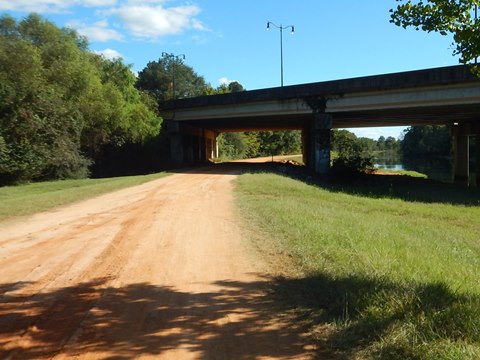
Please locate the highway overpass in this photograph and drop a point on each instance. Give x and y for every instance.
(448, 95)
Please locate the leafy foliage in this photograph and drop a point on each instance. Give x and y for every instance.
(60, 103)
(262, 143)
(428, 140)
(354, 155)
(445, 17)
(231, 87)
(170, 77)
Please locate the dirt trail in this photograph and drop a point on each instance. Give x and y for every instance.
(154, 271)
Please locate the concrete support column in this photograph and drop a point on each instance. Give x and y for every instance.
(209, 139)
(306, 147)
(176, 142)
(202, 148)
(190, 145)
(477, 160)
(319, 139)
(461, 158)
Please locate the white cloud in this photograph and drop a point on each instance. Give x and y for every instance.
(96, 3)
(98, 31)
(40, 6)
(198, 25)
(109, 54)
(50, 6)
(150, 19)
(156, 21)
(225, 81)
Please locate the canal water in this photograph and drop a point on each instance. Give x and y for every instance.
(436, 169)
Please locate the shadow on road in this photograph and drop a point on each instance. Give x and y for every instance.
(143, 319)
(369, 185)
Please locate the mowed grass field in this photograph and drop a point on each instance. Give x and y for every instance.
(387, 274)
(31, 198)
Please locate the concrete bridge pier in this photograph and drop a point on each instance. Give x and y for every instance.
(477, 158)
(190, 145)
(316, 143)
(462, 134)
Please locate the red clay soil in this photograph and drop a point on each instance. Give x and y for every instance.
(159, 270)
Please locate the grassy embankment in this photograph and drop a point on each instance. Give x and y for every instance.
(386, 271)
(31, 198)
(299, 159)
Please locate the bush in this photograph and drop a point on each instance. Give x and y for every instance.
(351, 166)
(354, 156)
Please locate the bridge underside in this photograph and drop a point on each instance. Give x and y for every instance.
(448, 96)
(447, 115)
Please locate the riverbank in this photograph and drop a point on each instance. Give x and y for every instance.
(374, 269)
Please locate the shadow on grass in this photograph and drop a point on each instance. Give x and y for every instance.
(369, 185)
(230, 322)
(410, 319)
(234, 321)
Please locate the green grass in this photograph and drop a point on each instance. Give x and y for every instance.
(381, 276)
(410, 173)
(28, 199)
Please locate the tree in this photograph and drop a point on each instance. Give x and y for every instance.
(235, 86)
(353, 155)
(428, 140)
(445, 17)
(279, 142)
(59, 102)
(392, 145)
(252, 144)
(40, 131)
(169, 78)
(263, 143)
(115, 112)
(231, 146)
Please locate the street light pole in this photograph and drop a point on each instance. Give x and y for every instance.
(174, 59)
(281, 28)
(476, 17)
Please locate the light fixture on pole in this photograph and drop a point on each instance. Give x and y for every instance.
(174, 58)
(281, 28)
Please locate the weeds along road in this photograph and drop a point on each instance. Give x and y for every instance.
(158, 271)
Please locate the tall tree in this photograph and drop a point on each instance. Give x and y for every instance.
(353, 155)
(445, 17)
(58, 102)
(39, 128)
(279, 142)
(169, 78)
(427, 140)
(116, 112)
(235, 86)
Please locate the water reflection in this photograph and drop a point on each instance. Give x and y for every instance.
(440, 169)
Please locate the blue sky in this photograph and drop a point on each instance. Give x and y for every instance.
(226, 40)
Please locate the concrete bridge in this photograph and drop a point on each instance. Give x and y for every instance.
(449, 95)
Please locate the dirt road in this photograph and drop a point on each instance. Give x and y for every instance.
(154, 271)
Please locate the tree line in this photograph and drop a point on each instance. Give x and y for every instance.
(415, 141)
(60, 103)
(67, 112)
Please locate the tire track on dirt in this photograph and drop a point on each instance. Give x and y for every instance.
(155, 271)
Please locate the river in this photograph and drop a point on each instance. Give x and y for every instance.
(436, 169)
